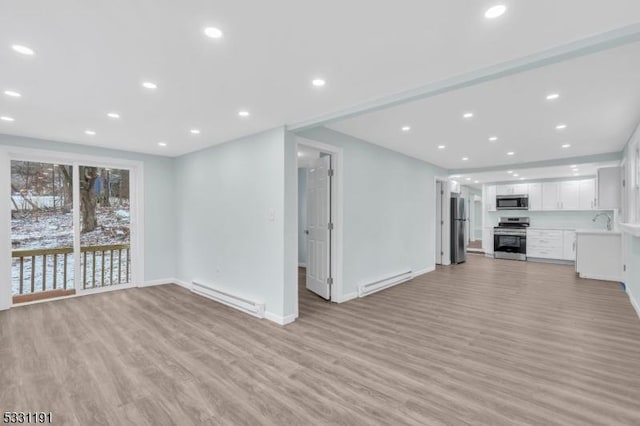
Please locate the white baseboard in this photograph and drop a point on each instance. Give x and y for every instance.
(601, 277)
(166, 281)
(280, 319)
(347, 297)
(156, 282)
(181, 283)
(424, 271)
(635, 303)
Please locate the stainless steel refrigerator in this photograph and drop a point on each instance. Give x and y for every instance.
(458, 230)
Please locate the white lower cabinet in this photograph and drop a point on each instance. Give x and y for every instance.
(487, 240)
(551, 244)
(569, 244)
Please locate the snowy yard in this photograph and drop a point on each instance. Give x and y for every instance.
(40, 229)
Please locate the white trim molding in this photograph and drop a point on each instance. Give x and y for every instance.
(347, 297)
(280, 320)
(635, 303)
(416, 274)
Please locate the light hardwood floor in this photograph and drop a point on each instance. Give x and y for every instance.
(486, 342)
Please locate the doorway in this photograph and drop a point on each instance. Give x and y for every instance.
(314, 221)
(319, 168)
(73, 226)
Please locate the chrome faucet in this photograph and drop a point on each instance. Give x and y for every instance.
(608, 216)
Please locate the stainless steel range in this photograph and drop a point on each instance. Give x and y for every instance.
(510, 238)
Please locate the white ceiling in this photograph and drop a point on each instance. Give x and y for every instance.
(91, 57)
(599, 102)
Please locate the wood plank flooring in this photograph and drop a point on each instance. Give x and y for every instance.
(488, 342)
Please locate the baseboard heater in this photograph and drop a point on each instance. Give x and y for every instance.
(250, 307)
(370, 288)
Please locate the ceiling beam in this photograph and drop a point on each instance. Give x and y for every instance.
(576, 49)
(597, 158)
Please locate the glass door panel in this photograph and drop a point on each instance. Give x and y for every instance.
(105, 255)
(42, 234)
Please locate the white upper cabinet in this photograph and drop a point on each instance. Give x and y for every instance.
(490, 198)
(520, 188)
(535, 196)
(568, 196)
(587, 194)
(550, 192)
(513, 189)
(609, 188)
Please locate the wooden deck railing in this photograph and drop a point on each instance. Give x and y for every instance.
(46, 270)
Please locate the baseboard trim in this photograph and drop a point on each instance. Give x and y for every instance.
(280, 320)
(181, 283)
(424, 271)
(347, 297)
(634, 302)
(165, 281)
(601, 277)
(156, 282)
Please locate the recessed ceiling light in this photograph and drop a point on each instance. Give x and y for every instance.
(162, 144)
(515, 175)
(244, 113)
(467, 115)
(23, 50)
(510, 171)
(522, 178)
(552, 96)
(465, 158)
(114, 115)
(12, 93)
(566, 145)
(90, 132)
(5, 118)
(576, 174)
(194, 131)
(468, 178)
(573, 166)
(561, 126)
(149, 85)
(213, 32)
(318, 82)
(441, 146)
(495, 11)
(511, 153)
(476, 181)
(493, 138)
(406, 128)
(300, 154)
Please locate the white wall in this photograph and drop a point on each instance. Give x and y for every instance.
(231, 217)
(159, 205)
(631, 200)
(389, 209)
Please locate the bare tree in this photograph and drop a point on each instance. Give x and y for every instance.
(88, 201)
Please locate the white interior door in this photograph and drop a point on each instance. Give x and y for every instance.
(319, 234)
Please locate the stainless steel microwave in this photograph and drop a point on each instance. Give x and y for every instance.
(512, 202)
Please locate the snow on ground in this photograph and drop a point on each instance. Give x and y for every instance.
(46, 229)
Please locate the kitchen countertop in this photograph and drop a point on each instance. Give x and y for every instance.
(597, 232)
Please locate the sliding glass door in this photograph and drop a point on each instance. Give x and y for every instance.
(42, 231)
(70, 229)
(105, 255)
